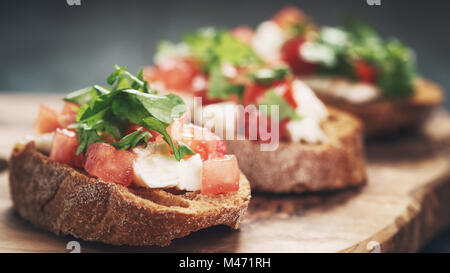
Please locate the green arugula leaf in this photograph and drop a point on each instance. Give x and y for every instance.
(90, 134)
(393, 62)
(129, 101)
(271, 98)
(216, 47)
(164, 108)
(397, 71)
(96, 110)
(82, 96)
(156, 125)
(122, 79)
(129, 107)
(219, 87)
(86, 95)
(85, 138)
(132, 140)
(183, 149)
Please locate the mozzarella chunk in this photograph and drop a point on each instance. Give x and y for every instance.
(155, 170)
(308, 104)
(306, 129)
(354, 92)
(267, 41)
(312, 111)
(42, 142)
(218, 117)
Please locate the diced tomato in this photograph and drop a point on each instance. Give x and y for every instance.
(151, 74)
(284, 89)
(105, 162)
(178, 74)
(181, 75)
(47, 120)
(70, 108)
(221, 149)
(134, 127)
(201, 140)
(254, 93)
(365, 72)
(290, 53)
(220, 175)
(68, 114)
(64, 147)
(258, 126)
(243, 34)
(289, 16)
(66, 119)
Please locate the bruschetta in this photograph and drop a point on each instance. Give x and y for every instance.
(350, 67)
(121, 165)
(317, 147)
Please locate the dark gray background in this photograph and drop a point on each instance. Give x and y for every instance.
(49, 46)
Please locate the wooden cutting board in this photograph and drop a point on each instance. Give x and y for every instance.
(405, 203)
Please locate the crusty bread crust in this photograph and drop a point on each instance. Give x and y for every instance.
(66, 201)
(299, 167)
(386, 116)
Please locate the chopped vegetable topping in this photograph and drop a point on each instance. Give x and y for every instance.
(356, 51)
(267, 76)
(215, 48)
(271, 98)
(129, 100)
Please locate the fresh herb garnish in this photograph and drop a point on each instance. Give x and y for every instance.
(132, 140)
(85, 95)
(220, 87)
(338, 49)
(128, 101)
(266, 76)
(271, 98)
(216, 47)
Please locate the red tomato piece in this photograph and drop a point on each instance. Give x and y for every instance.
(220, 175)
(47, 120)
(64, 147)
(178, 74)
(151, 74)
(105, 162)
(254, 93)
(289, 16)
(258, 126)
(70, 108)
(284, 89)
(243, 34)
(66, 119)
(221, 149)
(201, 140)
(68, 114)
(290, 53)
(365, 72)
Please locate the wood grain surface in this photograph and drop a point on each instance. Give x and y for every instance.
(405, 202)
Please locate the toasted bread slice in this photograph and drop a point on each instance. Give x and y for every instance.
(299, 167)
(66, 201)
(385, 116)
